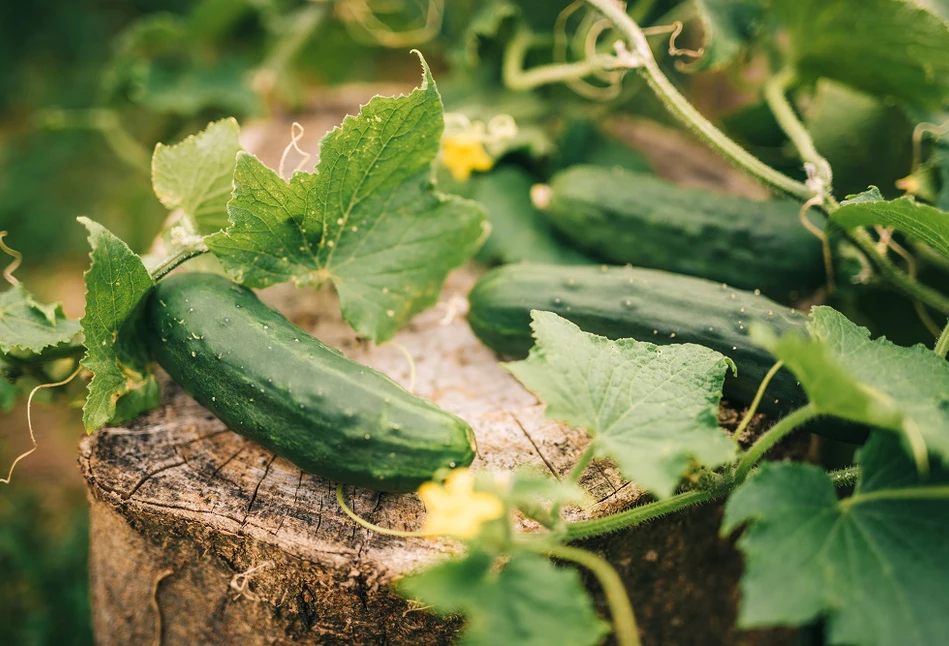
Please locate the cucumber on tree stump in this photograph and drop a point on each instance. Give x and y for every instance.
(201, 536)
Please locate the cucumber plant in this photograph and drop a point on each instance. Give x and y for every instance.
(639, 358)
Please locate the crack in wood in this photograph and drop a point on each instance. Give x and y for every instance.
(253, 498)
(531, 440)
(148, 477)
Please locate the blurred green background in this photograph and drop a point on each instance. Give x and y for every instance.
(87, 89)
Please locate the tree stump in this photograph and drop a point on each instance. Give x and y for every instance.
(201, 536)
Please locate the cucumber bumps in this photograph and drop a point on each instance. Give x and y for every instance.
(271, 382)
(624, 217)
(643, 304)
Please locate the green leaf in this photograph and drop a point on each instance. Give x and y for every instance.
(876, 564)
(888, 48)
(368, 220)
(729, 27)
(652, 409)
(116, 286)
(519, 232)
(877, 382)
(29, 326)
(195, 175)
(920, 221)
(865, 140)
(528, 602)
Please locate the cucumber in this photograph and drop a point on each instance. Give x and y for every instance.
(643, 304)
(624, 217)
(271, 382)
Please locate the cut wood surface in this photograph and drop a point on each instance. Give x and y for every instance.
(179, 472)
(201, 536)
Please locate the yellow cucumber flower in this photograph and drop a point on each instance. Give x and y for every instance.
(455, 508)
(463, 153)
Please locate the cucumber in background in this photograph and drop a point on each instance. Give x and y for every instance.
(647, 305)
(624, 217)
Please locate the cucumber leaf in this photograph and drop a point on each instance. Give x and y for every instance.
(116, 285)
(652, 409)
(195, 175)
(920, 221)
(29, 326)
(865, 140)
(888, 48)
(368, 220)
(876, 382)
(875, 564)
(529, 602)
(729, 26)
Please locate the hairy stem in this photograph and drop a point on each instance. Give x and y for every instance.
(942, 343)
(845, 477)
(935, 492)
(518, 79)
(775, 434)
(637, 515)
(642, 60)
(624, 620)
(679, 106)
(775, 96)
(181, 256)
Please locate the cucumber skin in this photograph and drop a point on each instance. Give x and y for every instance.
(626, 302)
(271, 382)
(625, 217)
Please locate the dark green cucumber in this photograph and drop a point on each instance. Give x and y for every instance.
(271, 382)
(624, 217)
(643, 304)
(648, 305)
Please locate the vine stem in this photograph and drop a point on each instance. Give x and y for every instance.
(777, 101)
(184, 254)
(942, 343)
(642, 60)
(637, 515)
(518, 79)
(844, 477)
(935, 492)
(897, 277)
(775, 96)
(362, 522)
(624, 620)
(758, 396)
(647, 67)
(774, 435)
